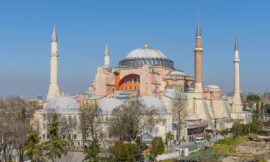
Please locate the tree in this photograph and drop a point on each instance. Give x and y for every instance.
(179, 111)
(92, 150)
(169, 136)
(67, 125)
(55, 146)
(15, 114)
(157, 146)
(91, 124)
(244, 129)
(252, 100)
(236, 129)
(122, 152)
(32, 148)
(131, 120)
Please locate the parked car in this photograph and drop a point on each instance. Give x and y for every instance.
(199, 140)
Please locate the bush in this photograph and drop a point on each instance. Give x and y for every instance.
(157, 146)
(224, 132)
(228, 145)
(128, 152)
(244, 129)
(142, 146)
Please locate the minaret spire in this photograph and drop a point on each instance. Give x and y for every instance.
(107, 52)
(107, 56)
(54, 89)
(236, 43)
(198, 31)
(198, 59)
(54, 35)
(237, 104)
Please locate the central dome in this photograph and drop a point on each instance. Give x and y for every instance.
(146, 52)
(146, 56)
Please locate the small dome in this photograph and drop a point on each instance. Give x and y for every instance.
(213, 86)
(177, 72)
(108, 104)
(62, 105)
(146, 52)
(153, 103)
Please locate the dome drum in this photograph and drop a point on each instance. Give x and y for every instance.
(138, 62)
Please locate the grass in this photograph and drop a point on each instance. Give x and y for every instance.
(229, 145)
(166, 161)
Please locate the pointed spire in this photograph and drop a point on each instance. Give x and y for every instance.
(236, 43)
(198, 31)
(107, 52)
(54, 35)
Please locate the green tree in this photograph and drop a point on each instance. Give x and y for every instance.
(236, 129)
(122, 152)
(55, 146)
(32, 149)
(255, 127)
(92, 151)
(253, 98)
(169, 136)
(157, 146)
(224, 132)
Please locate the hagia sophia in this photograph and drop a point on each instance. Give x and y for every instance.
(147, 73)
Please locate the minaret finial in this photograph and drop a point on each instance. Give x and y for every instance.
(146, 45)
(198, 31)
(236, 43)
(54, 35)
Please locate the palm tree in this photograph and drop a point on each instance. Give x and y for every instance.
(32, 149)
(55, 146)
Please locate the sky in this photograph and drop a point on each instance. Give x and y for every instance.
(83, 27)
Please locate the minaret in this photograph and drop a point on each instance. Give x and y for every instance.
(198, 59)
(54, 89)
(107, 56)
(237, 104)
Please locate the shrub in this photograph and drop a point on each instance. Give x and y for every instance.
(128, 152)
(157, 146)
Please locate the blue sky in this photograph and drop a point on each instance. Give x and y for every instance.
(84, 26)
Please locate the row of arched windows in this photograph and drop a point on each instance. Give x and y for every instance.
(152, 61)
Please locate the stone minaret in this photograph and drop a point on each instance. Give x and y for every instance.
(198, 59)
(54, 89)
(237, 104)
(107, 56)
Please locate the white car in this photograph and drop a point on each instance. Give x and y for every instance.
(199, 140)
